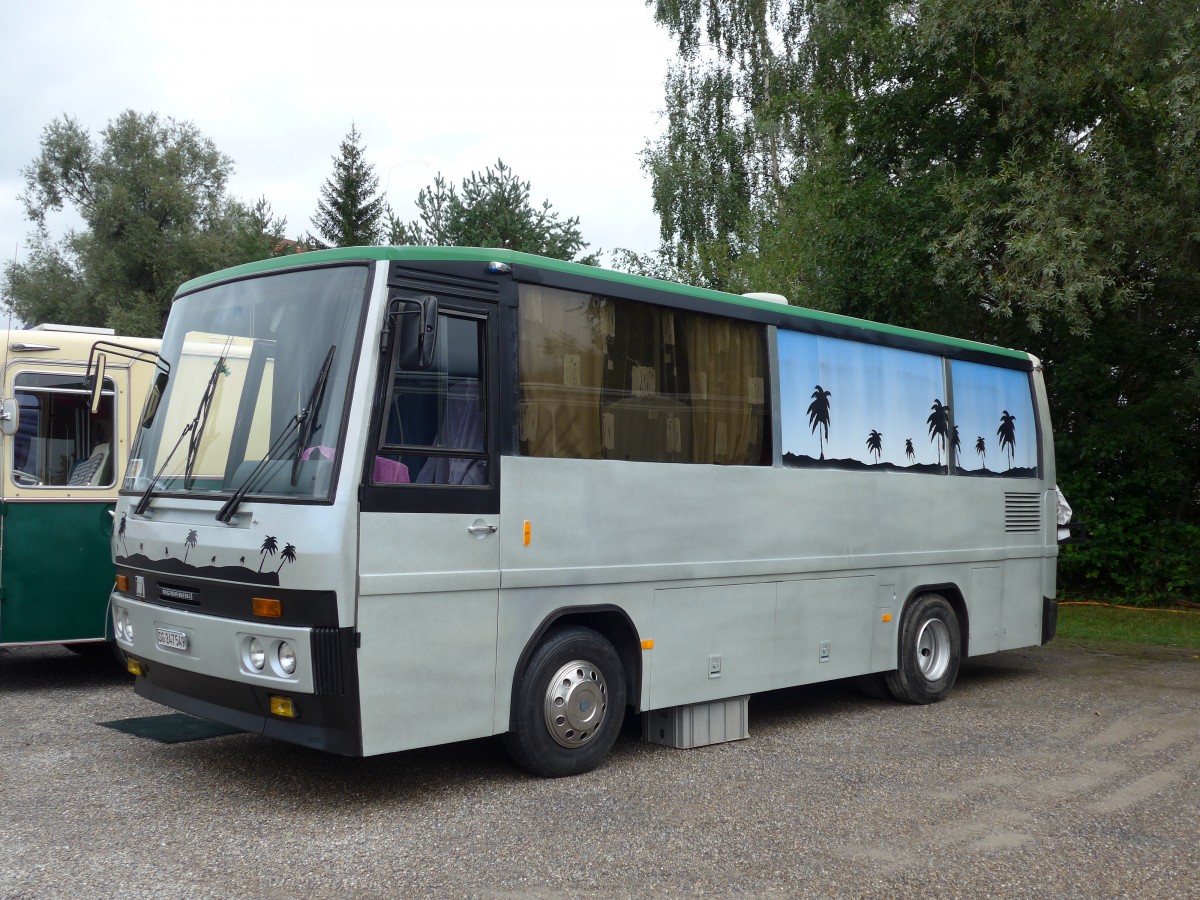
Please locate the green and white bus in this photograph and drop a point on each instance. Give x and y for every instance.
(395, 497)
(59, 486)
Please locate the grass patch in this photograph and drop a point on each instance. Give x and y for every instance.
(1163, 627)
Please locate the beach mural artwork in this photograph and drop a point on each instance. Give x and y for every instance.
(176, 560)
(859, 406)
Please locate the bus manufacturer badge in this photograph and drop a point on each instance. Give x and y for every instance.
(167, 593)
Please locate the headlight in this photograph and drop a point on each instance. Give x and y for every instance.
(258, 656)
(287, 658)
(124, 626)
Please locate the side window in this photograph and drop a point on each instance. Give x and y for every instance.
(434, 427)
(607, 378)
(993, 407)
(848, 405)
(59, 442)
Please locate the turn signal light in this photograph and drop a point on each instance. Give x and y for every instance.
(283, 706)
(267, 607)
(123, 584)
(133, 666)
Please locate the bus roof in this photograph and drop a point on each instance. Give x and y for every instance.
(514, 258)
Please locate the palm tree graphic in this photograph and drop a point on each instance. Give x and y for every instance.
(288, 555)
(818, 415)
(939, 425)
(981, 449)
(875, 444)
(189, 543)
(955, 446)
(909, 451)
(1008, 436)
(121, 532)
(269, 545)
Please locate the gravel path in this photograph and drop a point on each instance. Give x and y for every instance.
(1068, 771)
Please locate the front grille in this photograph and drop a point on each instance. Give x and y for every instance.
(1023, 513)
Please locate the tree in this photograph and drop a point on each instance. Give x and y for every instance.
(939, 427)
(189, 543)
(491, 209)
(1007, 433)
(269, 545)
(351, 212)
(875, 444)
(818, 416)
(152, 196)
(287, 555)
(1021, 173)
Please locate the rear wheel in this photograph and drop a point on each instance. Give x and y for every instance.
(569, 705)
(929, 651)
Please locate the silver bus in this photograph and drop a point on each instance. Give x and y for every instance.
(395, 497)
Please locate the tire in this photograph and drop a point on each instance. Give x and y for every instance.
(569, 705)
(929, 651)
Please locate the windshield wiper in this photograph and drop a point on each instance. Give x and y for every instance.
(309, 413)
(302, 422)
(195, 428)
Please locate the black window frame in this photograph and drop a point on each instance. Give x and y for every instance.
(439, 498)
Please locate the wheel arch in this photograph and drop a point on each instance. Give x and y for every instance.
(612, 622)
(954, 596)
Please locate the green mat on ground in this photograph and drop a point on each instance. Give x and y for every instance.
(172, 728)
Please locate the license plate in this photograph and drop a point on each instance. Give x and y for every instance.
(166, 637)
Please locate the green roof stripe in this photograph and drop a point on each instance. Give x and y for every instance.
(480, 254)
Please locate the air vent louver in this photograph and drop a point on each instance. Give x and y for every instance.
(1023, 513)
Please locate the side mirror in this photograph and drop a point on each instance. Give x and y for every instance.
(153, 398)
(96, 380)
(417, 325)
(10, 416)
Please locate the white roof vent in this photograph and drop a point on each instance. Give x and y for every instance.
(768, 298)
(79, 329)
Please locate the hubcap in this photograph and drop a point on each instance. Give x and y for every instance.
(933, 649)
(576, 702)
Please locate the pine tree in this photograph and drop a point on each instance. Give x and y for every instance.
(350, 212)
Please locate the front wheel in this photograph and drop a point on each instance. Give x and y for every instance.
(929, 651)
(569, 705)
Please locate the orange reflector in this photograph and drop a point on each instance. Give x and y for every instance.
(648, 644)
(123, 584)
(887, 617)
(283, 706)
(133, 666)
(267, 607)
(528, 532)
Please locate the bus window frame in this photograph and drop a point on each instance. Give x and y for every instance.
(413, 497)
(110, 389)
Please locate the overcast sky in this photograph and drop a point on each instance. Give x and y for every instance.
(566, 93)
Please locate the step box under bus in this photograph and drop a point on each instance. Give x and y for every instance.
(698, 724)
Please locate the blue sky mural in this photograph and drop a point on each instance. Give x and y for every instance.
(871, 389)
(983, 396)
(854, 405)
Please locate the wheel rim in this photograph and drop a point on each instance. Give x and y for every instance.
(933, 649)
(576, 703)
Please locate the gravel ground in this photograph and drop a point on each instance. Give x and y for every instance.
(1067, 771)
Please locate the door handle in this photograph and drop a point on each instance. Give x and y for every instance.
(481, 528)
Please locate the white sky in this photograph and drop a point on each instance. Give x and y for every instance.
(566, 93)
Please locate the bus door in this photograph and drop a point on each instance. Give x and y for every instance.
(429, 548)
(58, 488)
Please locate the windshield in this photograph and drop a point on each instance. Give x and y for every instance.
(260, 372)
